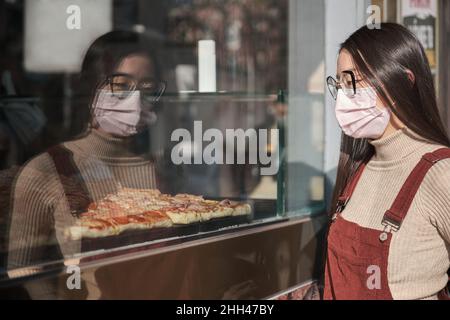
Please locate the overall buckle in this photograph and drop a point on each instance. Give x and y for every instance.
(389, 227)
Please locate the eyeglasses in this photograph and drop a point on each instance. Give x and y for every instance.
(347, 83)
(122, 85)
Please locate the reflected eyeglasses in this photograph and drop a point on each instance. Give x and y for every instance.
(122, 85)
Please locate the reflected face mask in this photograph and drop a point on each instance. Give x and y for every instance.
(358, 115)
(122, 116)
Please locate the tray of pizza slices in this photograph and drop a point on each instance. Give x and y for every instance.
(147, 214)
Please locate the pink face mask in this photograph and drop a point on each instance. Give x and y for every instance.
(358, 115)
(121, 117)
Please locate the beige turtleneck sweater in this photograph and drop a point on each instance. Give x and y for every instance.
(419, 252)
(40, 210)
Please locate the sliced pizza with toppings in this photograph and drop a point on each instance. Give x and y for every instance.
(133, 209)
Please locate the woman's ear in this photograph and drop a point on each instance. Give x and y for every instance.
(411, 76)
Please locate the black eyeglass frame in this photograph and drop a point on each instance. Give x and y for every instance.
(337, 84)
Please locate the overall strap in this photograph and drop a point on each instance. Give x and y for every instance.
(394, 217)
(349, 188)
(397, 213)
(74, 186)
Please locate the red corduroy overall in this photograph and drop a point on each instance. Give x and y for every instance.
(357, 257)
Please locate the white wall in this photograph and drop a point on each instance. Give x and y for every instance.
(342, 17)
(305, 127)
(316, 30)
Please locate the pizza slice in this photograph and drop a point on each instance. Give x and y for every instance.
(92, 228)
(238, 209)
(182, 215)
(144, 220)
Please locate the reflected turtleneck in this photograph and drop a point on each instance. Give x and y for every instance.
(106, 147)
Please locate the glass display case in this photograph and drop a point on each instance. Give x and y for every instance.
(213, 188)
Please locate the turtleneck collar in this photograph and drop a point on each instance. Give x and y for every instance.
(102, 145)
(394, 148)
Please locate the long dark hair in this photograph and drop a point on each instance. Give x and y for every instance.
(383, 57)
(101, 60)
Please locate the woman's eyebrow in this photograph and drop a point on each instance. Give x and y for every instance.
(346, 70)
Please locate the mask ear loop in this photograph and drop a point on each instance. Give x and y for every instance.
(93, 124)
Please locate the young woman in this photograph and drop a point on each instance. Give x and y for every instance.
(389, 236)
(120, 85)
